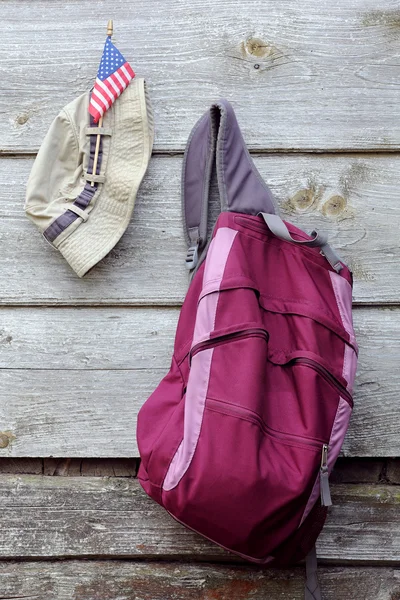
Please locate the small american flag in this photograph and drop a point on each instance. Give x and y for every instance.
(113, 77)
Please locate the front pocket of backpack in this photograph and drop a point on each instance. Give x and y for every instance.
(238, 371)
(303, 395)
(230, 366)
(247, 486)
(247, 415)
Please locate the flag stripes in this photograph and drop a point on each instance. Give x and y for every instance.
(107, 91)
(113, 77)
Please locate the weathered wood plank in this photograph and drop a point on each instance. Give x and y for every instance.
(72, 413)
(87, 338)
(73, 380)
(354, 199)
(279, 63)
(80, 580)
(52, 517)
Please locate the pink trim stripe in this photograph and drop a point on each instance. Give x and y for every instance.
(199, 375)
(194, 409)
(343, 295)
(342, 290)
(339, 429)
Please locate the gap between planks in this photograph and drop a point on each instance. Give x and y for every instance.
(345, 152)
(347, 470)
(143, 304)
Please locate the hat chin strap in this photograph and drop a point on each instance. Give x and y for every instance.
(77, 209)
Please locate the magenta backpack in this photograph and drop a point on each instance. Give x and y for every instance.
(238, 440)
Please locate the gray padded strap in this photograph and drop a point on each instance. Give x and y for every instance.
(197, 167)
(216, 139)
(312, 590)
(278, 228)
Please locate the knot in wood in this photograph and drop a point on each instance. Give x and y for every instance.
(22, 119)
(334, 206)
(4, 440)
(5, 337)
(303, 199)
(257, 47)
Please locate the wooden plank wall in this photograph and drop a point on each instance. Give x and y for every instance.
(315, 86)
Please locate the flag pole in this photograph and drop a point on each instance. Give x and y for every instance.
(96, 152)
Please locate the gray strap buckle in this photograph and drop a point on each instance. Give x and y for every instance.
(192, 257)
(278, 228)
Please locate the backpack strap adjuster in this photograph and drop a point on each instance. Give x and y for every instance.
(192, 257)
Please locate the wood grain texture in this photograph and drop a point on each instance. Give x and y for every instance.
(306, 75)
(87, 338)
(111, 580)
(72, 380)
(303, 77)
(91, 517)
(354, 199)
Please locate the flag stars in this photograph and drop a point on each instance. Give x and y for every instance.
(111, 62)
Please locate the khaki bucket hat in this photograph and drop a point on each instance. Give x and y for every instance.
(85, 220)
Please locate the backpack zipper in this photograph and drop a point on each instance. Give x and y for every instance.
(238, 411)
(327, 376)
(325, 491)
(324, 478)
(224, 339)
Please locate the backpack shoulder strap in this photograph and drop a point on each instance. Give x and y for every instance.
(216, 139)
(312, 590)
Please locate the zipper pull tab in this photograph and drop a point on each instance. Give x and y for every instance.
(324, 478)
